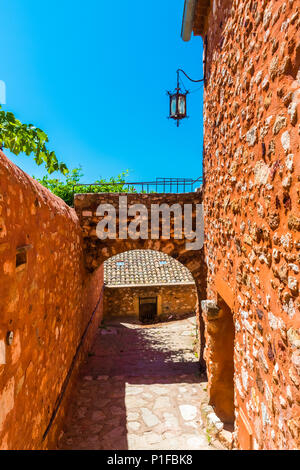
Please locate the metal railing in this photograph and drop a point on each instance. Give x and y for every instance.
(160, 185)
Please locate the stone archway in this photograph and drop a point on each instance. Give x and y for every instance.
(96, 251)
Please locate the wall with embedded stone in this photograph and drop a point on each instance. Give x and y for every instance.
(173, 301)
(252, 222)
(46, 302)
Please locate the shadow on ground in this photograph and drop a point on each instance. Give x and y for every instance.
(140, 388)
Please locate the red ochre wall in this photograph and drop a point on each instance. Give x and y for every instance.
(47, 304)
(252, 217)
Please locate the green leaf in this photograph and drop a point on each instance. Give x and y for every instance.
(28, 139)
(64, 188)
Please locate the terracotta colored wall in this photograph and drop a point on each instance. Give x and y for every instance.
(252, 217)
(174, 300)
(46, 304)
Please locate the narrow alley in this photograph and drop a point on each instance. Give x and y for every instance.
(139, 389)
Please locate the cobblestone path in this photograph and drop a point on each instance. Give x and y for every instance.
(139, 389)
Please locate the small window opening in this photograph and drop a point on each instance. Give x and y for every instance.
(120, 263)
(21, 258)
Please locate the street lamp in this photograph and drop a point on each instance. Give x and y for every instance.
(178, 100)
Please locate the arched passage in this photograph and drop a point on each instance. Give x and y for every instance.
(97, 250)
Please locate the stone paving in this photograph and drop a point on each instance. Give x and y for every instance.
(139, 389)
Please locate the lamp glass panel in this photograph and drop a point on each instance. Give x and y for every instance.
(173, 105)
(181, 105)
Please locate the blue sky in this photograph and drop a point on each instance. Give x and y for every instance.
(94, 75)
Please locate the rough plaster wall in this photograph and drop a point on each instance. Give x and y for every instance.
(175, 300)
(251, 202)
(46, 305)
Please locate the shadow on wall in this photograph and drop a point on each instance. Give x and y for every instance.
(222, 381)
(121, 356)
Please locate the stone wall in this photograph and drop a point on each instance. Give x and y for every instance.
(97, 251)
(172, 300)
(252, 223)
(46, 302)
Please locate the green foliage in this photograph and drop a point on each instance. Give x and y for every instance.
(208, 437)
(28, 139)
(65, 189)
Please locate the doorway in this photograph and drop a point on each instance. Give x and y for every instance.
(222, 382)
(147, 309)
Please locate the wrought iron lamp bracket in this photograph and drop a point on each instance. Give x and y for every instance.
(178, 99)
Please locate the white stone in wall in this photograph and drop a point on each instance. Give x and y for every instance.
(289, 162)
(273, 322)
(294, 267)
(239, 387)
(289, 308)
(286, 141)
(265, 415)
(261, 172)
(245, 377)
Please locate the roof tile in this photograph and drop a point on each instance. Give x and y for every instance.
(144, 267)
